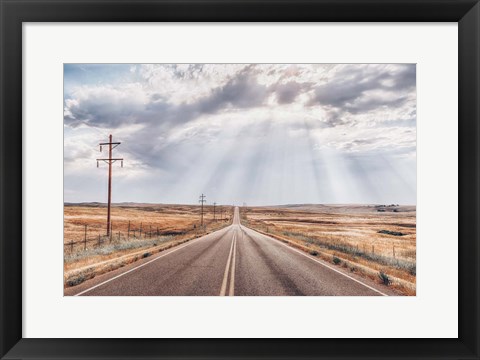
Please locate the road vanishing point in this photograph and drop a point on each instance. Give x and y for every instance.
(233, 261)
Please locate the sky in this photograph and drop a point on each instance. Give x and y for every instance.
(260, 134)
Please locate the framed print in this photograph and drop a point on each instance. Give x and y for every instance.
(236, 179)
(250, 203)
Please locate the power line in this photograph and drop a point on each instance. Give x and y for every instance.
(111, 145)
(202, 201)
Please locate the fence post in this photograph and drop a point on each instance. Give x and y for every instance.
(157, 231)
(111, 230)
(140, 231)
(394, 251)
(150, 231)
(134, 233)
(99, 239)
(85, 239)
(119, 236)
(128, 236)
(373, 249)
(71, 246)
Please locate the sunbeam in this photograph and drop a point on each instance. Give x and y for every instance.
(263, 134)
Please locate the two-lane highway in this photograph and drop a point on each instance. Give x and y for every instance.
(234, 261)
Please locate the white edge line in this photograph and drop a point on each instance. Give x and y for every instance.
(317, 261)
(148, 262)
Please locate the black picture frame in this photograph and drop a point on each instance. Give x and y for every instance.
(15, 12)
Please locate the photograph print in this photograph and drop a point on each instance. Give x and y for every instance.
(239, 179)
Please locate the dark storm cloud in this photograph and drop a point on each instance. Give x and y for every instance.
(406, 78)
(371, 103)
(105, 112)
(287, 93)
(348, 92)
(351, 88)
(334, 117)
(102, 112)
(241, 92)
(155, 97)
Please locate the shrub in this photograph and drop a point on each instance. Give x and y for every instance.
(384, 278)
(298, 236)
(388, 232)
(313, 252)
(75, 281)
(336, 260)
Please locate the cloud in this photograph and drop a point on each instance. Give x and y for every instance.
(248, 127)
(240, 92)
(358, 89)
(288, 92)
(104, 105)
(108, 106)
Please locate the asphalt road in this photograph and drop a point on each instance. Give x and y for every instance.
(234, 261)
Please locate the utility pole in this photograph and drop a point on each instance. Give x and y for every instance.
(111, 145)
(214, 219)
(202, 201)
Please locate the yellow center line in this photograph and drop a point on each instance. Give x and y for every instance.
(232, 274)
(225, 275)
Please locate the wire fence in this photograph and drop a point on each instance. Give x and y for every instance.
(127, 232)
(133, 233)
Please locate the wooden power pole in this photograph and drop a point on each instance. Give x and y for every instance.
(202, 201)
(214, 218)
(111, 145)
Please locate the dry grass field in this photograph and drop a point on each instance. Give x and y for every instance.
(374, 241)
(378, 242)
(150, 226)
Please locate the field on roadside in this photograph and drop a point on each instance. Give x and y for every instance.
(134, 227)
(377, 241)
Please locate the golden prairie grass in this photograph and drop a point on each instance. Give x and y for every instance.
(168, 219)
(350, 233)
(150, 226)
